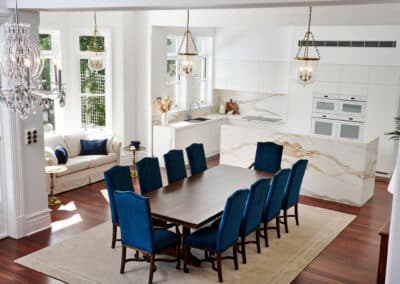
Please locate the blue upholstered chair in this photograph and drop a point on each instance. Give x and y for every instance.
(137, 231)
(175, 165)
(149, 174)
(196, 158)
(117, 178)
(292, 192)
(273, 204)
(268, 157)
(252, 214)
(217, 239)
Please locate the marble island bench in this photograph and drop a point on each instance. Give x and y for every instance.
(340, 171)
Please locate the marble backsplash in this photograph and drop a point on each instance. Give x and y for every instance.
(265, 105)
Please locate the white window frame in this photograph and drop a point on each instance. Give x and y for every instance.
(55, 55)
(106, 33)
(206, 94)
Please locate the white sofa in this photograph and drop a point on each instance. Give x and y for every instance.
(81, 170)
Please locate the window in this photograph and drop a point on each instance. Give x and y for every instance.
(48, 43)
(202, 87)
(94, 96)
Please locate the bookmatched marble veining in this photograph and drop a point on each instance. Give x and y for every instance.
(340, 171)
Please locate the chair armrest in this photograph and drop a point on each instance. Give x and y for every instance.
(251, 166)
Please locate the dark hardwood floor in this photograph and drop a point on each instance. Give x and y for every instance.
(351, 258)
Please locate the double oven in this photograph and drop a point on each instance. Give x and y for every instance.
(338, 116)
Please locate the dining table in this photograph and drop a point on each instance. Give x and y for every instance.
(200, 199)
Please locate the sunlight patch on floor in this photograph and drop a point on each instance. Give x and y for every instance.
(68, 207)
(59, 225)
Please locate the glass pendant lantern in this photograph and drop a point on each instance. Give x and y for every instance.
(96, 50)
(187, 50)
(307, 57)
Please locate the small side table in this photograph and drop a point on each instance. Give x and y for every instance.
(134, 149)
(52, 170)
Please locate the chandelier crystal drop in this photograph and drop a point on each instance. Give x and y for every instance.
(21, 66)
(187, 50)
(96, 50)
(307, 57)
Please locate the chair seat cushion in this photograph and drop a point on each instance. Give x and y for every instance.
(205, 238)
(163, 239)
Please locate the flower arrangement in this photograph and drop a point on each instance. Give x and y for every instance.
(163, 104)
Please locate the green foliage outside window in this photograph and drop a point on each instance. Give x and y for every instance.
(85, 41)
(45, 42)
(93, 111)
(89, 80)
(46, 80)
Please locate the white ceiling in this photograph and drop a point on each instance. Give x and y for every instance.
(176, 4)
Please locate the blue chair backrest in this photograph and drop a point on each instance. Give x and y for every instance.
(196, 158)
(294, 184)
(276, 192)
(175, 165)
(117, 178)
(149, 174)
(268, 157)
(135, 220)
(255, 205)
(228, 231)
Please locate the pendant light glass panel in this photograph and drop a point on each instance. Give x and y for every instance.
(187, 50)
(96, 51)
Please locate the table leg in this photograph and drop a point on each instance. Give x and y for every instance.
(192, 260)
(52, 200)
(134, 172)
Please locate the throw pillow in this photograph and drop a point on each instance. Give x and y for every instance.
(51, 158)
(93, 147)
(61, 154)
(110, 142)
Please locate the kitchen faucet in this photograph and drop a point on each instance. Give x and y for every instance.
(189, 114)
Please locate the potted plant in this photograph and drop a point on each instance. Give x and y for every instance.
(395, 134)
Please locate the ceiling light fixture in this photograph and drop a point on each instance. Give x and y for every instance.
(307, 57)
(21, 66)
(96, 50)
(187, 50)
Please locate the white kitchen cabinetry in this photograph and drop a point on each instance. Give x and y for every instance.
(181, 134)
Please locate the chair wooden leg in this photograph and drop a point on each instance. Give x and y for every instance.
(266, 234)
(278, 227)
(219, 267)
(114, 235)
(235, 256)
(123, 258)
(296, 213)
(185, 258)
(243, 248)
(178, 257)
(151, 268)
(285, 220)
(258, 241)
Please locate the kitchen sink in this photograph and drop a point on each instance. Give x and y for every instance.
(197, 119)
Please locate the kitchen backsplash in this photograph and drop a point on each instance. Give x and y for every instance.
(255, 103)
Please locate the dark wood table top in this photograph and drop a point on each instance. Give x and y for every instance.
(199, 199)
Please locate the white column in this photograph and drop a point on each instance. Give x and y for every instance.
(22, 166)
(393, 260)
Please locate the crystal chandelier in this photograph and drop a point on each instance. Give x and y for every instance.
(22, 66)
(307, 57)
(96, 50)
(187, 49)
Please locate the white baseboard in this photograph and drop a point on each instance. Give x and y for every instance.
(37, 222)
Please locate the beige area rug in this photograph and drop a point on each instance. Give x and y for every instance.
(88, 258)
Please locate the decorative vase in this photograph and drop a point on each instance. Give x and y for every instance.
(164, 118)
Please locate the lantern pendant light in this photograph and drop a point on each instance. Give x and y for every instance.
(96, 50)
(187, 49)
(307, 57)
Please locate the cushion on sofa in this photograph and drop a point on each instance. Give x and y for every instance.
(76, 164)
(73, 142)
(93, 147)
(62, 154)
(50, 157)
(98, 160)
(110, 142)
